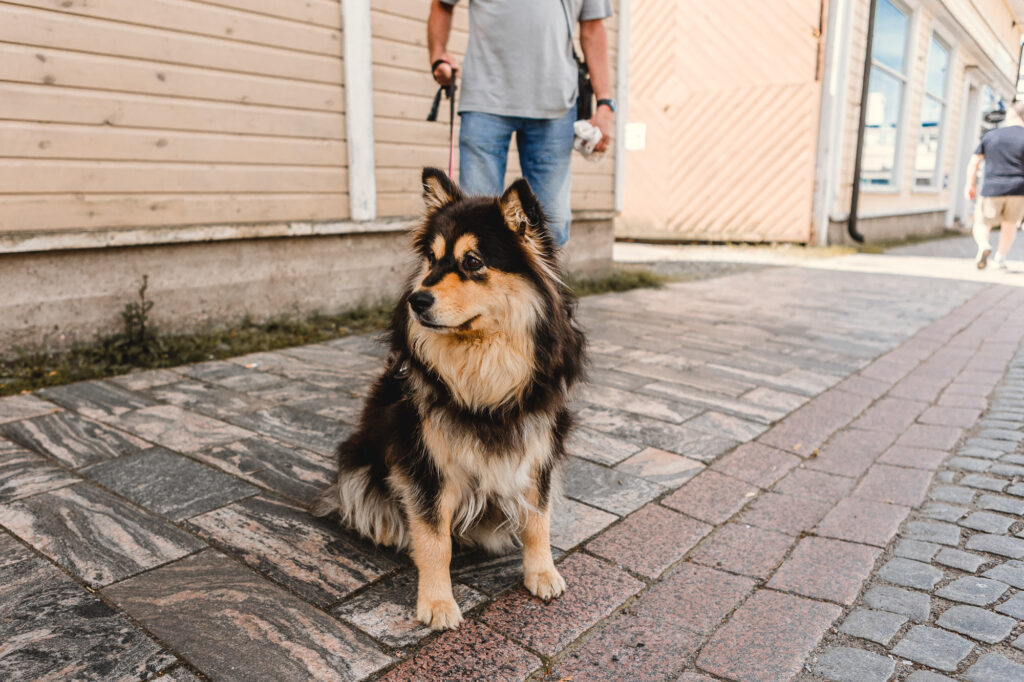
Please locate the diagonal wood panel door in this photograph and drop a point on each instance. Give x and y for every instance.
(729, 91)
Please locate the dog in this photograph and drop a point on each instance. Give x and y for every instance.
(464, 432)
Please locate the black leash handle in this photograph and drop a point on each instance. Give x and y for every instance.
(449, 92)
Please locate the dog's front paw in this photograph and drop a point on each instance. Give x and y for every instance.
(440, 614)
(545, 584)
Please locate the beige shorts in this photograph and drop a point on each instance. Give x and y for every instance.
(994, 210)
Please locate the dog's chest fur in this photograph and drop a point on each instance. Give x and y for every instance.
(478, 475)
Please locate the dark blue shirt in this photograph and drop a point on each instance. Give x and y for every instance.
(1003, 149)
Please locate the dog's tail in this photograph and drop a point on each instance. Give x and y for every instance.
(364, 509)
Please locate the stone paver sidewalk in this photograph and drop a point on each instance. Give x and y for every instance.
(749, 448)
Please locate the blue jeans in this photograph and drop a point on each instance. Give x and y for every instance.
(545, 150)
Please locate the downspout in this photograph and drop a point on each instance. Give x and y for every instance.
(851, 223)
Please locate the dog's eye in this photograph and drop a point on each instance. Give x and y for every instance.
(471, 263)
(431, 259)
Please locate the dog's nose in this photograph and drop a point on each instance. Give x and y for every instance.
(421, 301)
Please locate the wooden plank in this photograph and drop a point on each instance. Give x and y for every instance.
(26, 26)
(413, 32)
(64, 212)
(193, 18)
(52, 104)
(399, 130)
(59, 141)
(49, 66)
(418, 11)
(400, 80)
(317, 12)
(38, 176)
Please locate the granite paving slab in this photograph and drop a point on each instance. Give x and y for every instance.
(169, 484)
(53, 629)
(95, 535)
(24, 473)
(607, 489)
(213, 401)
(232, 376)
(178, 429)
(313, 557)
(490, 574)
(17, 407)
(71, 440)
(387, 610)
(573, 522)
(663, 468)
(234, 625)
(99, 400)
(681, 440)
(304, 429)
(599, 447)
(283, 469)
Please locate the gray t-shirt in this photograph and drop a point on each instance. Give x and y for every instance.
(519, 60)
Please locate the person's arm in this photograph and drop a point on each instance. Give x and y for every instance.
(439, 27)
(971, 188)
(594, 41)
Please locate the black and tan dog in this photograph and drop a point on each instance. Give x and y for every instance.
(464, 432)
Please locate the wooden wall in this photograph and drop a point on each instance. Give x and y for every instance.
(730, 93)
(128, 113)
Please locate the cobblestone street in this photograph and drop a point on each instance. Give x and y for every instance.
(786, 473)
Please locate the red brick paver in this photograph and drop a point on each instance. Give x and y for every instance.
(768, 638)
(866, 521)
(756, 463)
(693, 597)
(594, 590)
(895, 485)
(470, 653)
(918, 458)
(826, 569)
(650, 540)
(926, 436)
(851, 452)
(743, 549)
(711, 497)
(784, 513)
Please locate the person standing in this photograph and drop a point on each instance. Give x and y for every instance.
(520, 79)
(1002, 190)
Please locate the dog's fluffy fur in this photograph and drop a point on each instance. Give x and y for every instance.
(463, 433)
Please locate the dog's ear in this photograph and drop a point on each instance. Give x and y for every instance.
(521, 210)
(438, 189)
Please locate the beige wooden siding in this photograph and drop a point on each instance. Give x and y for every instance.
(127, 113)
(730, 94)
(924, 21)
(404, 90)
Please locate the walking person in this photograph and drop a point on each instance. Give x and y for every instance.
(520, 78)
(1002, 191)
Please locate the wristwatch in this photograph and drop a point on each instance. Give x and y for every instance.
(609, 102)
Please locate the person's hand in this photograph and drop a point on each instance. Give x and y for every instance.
(443, 72)
(971, 192)
(603, 121)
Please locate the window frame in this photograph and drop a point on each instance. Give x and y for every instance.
(936, 185)
(902, 119)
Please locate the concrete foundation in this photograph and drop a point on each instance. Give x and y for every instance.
(51, 300)
(890, 228)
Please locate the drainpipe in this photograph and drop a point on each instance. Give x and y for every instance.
(851, 224)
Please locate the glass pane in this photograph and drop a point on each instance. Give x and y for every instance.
(938, 63)
(881, 128)
(889, 43)
(927, 156)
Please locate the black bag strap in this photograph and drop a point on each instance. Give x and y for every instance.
(572, 45)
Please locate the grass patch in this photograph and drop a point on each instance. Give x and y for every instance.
(139, 346)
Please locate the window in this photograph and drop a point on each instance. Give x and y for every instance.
(933, 105)
(886, 83)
